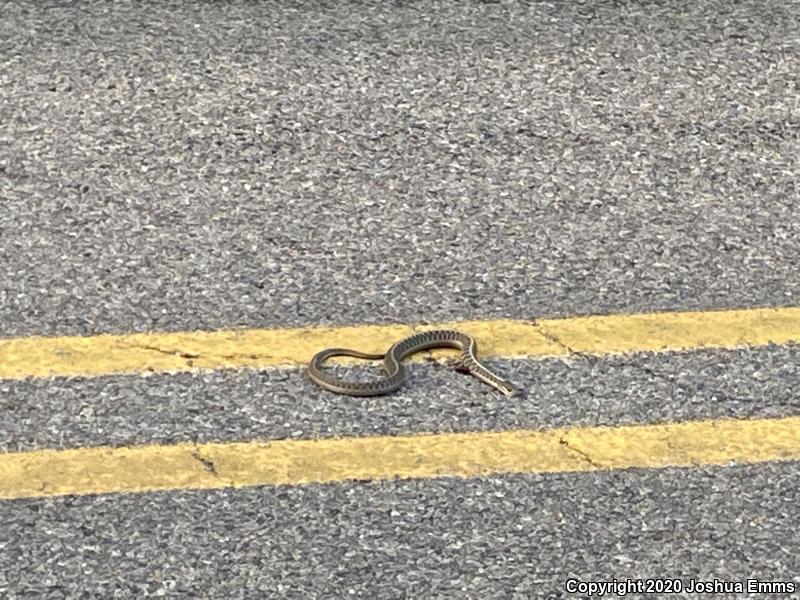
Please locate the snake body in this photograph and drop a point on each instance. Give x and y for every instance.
(395, 372)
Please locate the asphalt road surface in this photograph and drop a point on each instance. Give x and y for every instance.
(218, 165)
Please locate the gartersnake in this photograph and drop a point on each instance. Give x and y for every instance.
(395, 373)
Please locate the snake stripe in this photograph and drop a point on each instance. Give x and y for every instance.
(392, 364)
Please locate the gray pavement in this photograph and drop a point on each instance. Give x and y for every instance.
(501, 537)
(244, 164)
(271, 164)
(284, 404)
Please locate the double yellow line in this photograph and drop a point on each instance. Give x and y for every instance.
(190, 466)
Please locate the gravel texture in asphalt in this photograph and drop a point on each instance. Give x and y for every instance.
(501, 537)
(207, 165)
(284, 404)
(198, 165)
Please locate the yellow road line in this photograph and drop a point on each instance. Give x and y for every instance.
(185, 351)
(207, 466)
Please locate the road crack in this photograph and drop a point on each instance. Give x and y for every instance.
(194, 355)
(169, 352)
(208, 464)
(242, 356)
(585, 456)
(550, 337)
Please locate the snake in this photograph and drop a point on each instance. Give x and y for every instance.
(395, 372)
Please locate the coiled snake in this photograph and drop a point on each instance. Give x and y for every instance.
(395, 373)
